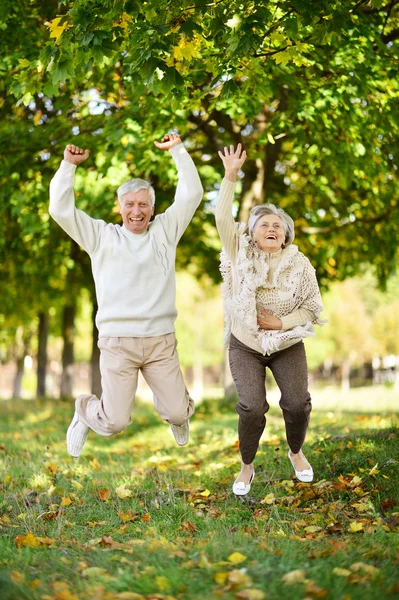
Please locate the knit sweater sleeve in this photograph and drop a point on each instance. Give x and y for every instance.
(297, 318)
(77, 224)
(188, 195)
(225, 223)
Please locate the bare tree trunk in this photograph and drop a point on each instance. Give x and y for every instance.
(22, 340)
(68, 334)
(42, 354)
(95, 356)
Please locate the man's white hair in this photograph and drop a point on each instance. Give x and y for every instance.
(135, 185)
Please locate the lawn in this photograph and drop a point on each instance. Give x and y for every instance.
(138, 518)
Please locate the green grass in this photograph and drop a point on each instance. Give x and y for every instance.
(177, 534)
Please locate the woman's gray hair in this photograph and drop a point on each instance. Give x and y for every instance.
(257, 212)
(135, 185)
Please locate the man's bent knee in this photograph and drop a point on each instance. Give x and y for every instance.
(117, 426)
(177, 418)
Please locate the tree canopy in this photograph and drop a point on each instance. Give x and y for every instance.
(309, 87)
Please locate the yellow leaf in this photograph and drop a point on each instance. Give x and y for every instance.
(162, 583)
(313, 529)
(220, 578)
(239, 579)
(77, 485)
(205, 493)
(270, 138)
(66, 501)
(29, 540)
(269, 499)
(203, 562)
(374, 470)
(282, 58)
(341, 572)
(17, 577)
(56, 30)
(123, 492)
(356, 480)
(23, 62)
(355, 527)
(251, 594)
(297, 576)
(370, 569)
(236, 558)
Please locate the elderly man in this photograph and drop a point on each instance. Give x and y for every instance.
(134, 272)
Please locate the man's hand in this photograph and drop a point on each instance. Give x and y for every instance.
(268, 321)
(169, 141)
(232, 161)
(75, 155)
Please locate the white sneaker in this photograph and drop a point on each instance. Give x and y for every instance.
(306, 475)
(76, 436)
(181, 433)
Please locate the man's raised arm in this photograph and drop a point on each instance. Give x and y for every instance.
(77, 224)
(189, 189)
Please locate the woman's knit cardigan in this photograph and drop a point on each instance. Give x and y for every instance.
(294, 286)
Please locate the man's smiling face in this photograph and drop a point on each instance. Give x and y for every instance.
(136, 210)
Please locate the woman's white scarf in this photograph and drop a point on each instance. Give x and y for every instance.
(294, 286)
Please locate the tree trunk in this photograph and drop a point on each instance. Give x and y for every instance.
(95, 357)
(22, 341)
(68, 334)
(42, 354)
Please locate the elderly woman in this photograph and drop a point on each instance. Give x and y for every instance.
(272, 301)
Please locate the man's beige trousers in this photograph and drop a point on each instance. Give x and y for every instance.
(120, 362)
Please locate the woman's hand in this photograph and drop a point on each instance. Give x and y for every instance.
(232, 161)
(170, 140)
(268, 321)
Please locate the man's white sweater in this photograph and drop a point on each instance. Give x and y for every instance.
(134, 274)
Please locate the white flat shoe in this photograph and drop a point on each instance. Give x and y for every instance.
(240, 488)
(306, 475)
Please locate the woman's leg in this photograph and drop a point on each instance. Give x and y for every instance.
(290, 371)
(248, 371)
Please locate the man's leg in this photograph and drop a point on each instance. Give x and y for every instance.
(119, 365)
(161, 370)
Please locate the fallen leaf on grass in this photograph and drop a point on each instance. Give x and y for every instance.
(162, 583)
(127, 516)
(123, 492)
(221, 577)
(341, 572)
(314, 590)
(31, 541)
(251, 594)
(369, 569)
(313, 529)
(205, 493)
(237, 578)
(236, 558)
(269, 499)
(355, 527)
(187, 526)
(296, 576)
(66, 501)
(104, 495)
(17, 577)
(146, 518)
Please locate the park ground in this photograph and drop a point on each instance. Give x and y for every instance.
(138, 518)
